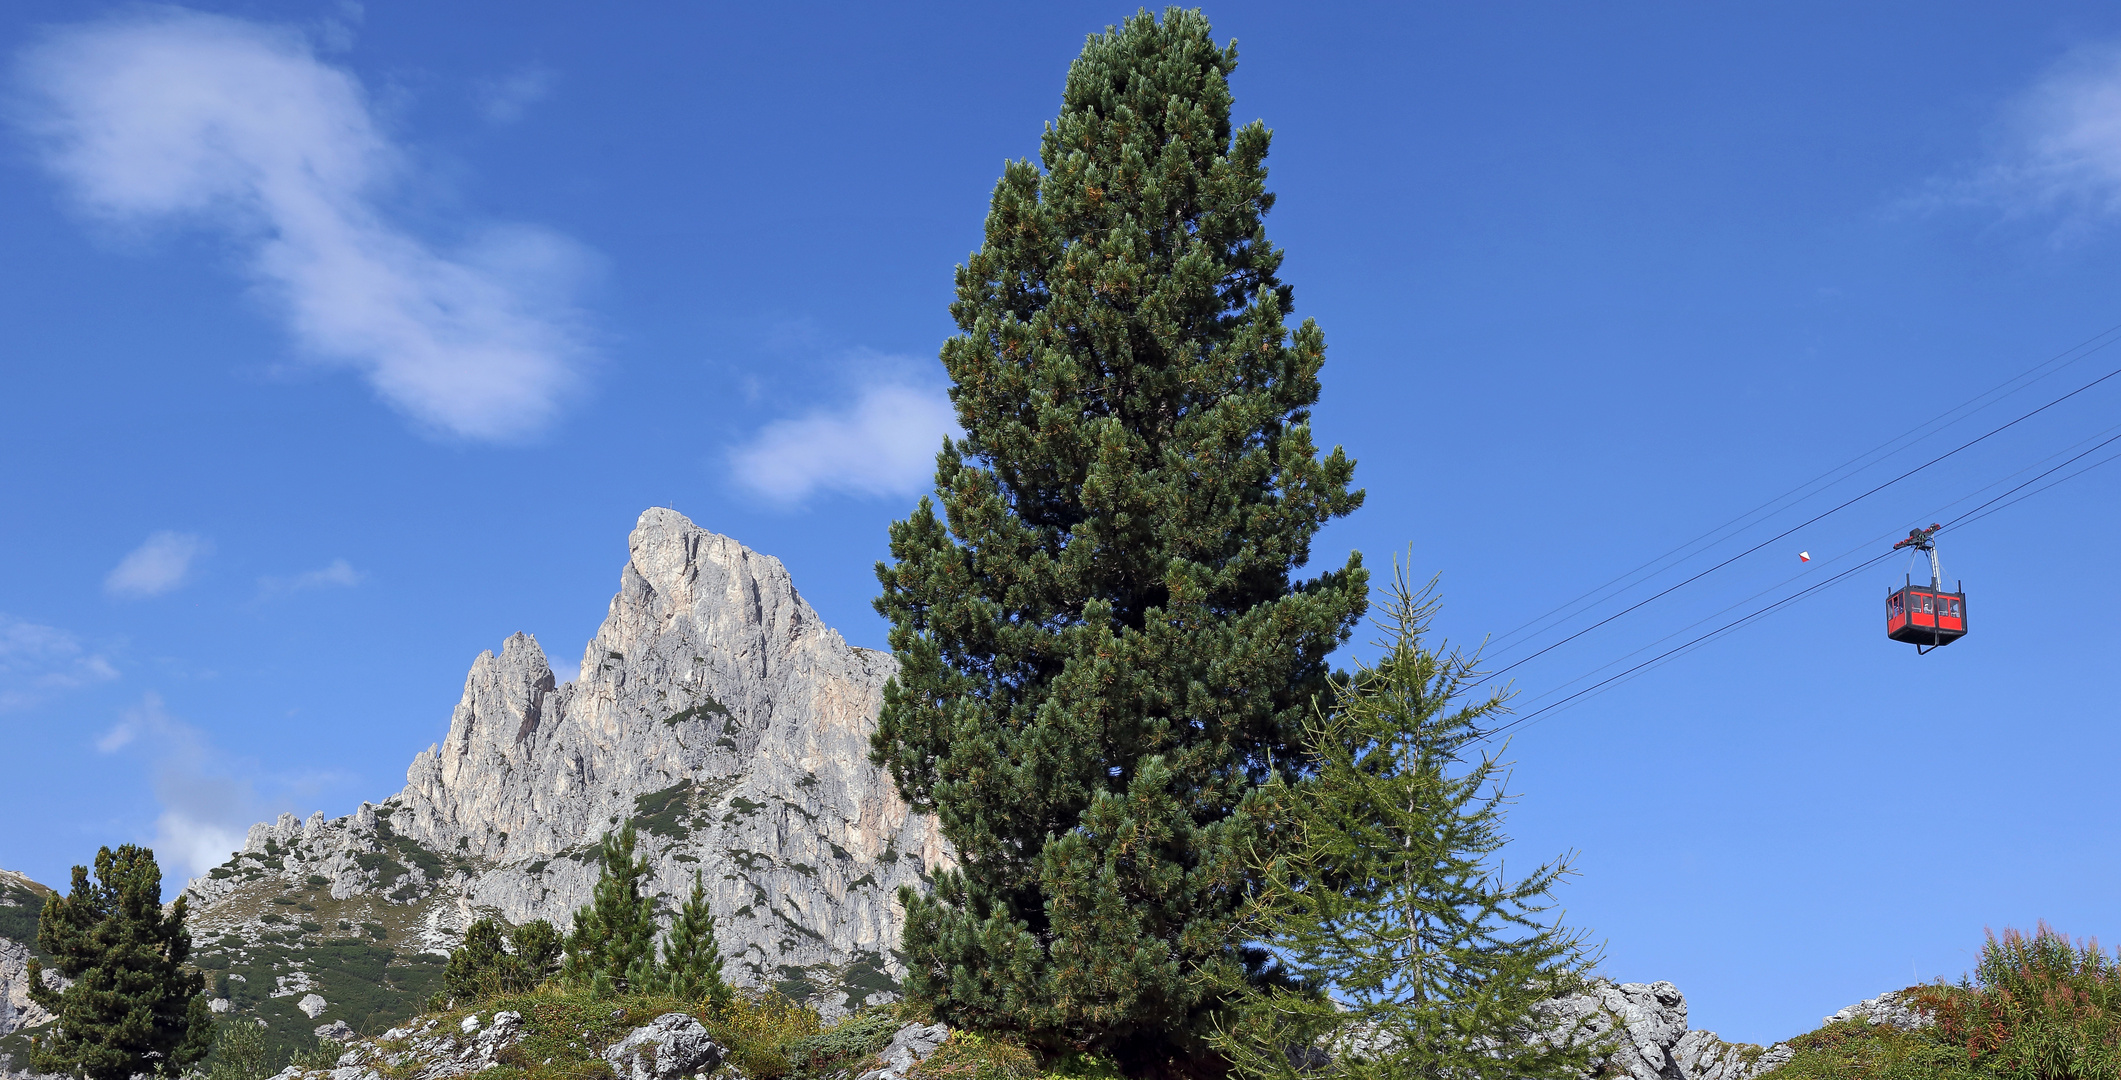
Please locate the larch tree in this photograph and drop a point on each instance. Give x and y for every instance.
(1410, 953)
(1105, 649)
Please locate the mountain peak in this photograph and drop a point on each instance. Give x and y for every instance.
(714, 710)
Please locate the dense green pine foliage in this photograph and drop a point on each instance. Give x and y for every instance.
(613, 944)
(692, 959)
(1104, 650)
(483, 966)
(1415, 957)
(135, 1005)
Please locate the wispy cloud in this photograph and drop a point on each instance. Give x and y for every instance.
(340, 574)
(158, 566)
(2060, 151)
(206, 806)
(503, 100)
(171, 115)
(882, 443)
(38, 661)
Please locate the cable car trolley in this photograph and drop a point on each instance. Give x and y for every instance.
(1925, 616)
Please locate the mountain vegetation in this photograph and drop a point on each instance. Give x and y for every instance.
(1105, 650)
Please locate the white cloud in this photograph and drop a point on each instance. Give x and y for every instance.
(38, 661)
(2062, 147)
(503, 101)
(157, 566)
(882, 444)
(340, 574)
(206, 809)
(173, 115)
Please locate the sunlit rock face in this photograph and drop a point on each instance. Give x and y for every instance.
(715, 711)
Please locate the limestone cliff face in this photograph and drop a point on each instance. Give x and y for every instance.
(718, 713)
(20, 900)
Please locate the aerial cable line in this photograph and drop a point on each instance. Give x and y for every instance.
(1963, 519)
(1920, 431)
(1977, 514)
(1734, 605)
(1991, 433)
(1887, 535)
(1865, 564)
(1967, 518)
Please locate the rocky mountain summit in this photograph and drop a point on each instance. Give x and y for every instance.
(715, 711)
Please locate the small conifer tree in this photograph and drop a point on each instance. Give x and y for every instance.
(692, 959)
(482, 966)
(1409, 954)
(535, 954)
(474, 969)
(135, 1005)
(612, 948)
(240, 1052)
(1105, 647)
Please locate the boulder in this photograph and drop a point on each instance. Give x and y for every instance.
(670, 1047)
(911, 1045)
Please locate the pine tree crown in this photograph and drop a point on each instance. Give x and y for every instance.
(135, 1005)
(1104, 648)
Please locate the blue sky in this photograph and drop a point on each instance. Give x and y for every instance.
(342, 342)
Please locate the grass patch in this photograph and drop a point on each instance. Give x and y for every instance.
(707, 708)
(970, 1056)
(668, 813)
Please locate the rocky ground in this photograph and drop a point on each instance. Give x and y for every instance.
(1643, 1025)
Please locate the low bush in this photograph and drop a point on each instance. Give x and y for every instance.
(971, 1056)
(2037, 1007)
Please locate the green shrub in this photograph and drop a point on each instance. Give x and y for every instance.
(2036, 1007)
(844, 1046)
(969, 1055)
(759, 1030)
(482, 967)
(239, 1051)
(2039, 1006)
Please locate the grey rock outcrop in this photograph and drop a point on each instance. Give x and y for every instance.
(427, 1051)
(670, 1047)
(911, 1045)
(718, 713)
(22, 899)
(16, 1009)
(1643, 1027)
(1895, 1010)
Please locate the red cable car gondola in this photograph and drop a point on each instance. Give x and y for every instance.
(1926, 617)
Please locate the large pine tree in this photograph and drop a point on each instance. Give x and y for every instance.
(135, 1006)
(1104, 649)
